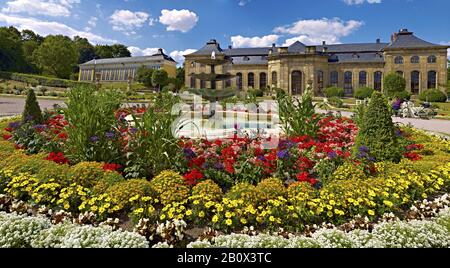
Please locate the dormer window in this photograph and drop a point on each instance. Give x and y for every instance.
(355, 56)
(246, 58)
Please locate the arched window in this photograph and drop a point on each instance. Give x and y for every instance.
(362, 79)
(202, 84)
(297, 82)
(398, 60)
(377, 80)
(262, 80)
(251, 80)
(228, 82)
(319, 81)
(415, 82)
(239, 81)
(432, 59)
(400, 73)
(348, 82)
(415, 59)
(432, 79)
(275, 79)
(334, 78)
(192, 82)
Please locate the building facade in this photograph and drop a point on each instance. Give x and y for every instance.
(349, 66)
(124, 69)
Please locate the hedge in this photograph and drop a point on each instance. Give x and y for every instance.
(334, 92)
(363, 93)
(433, 95)
(40, 80)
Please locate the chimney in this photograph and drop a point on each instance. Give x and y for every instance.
(325, 49)
(273, 45)
(160, 51)
(230, 47)
(324, 43)
(394, 37)
(378, 41)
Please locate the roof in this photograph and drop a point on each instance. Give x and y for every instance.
(406, 39)
(141, 59)
(255, 60)
(257, 51)
(208, 49)
(357, 57)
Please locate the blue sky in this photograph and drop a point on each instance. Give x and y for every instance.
(179, 26)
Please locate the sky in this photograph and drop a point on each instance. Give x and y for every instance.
(183, 26)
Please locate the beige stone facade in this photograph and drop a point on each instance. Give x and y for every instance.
(348, 66)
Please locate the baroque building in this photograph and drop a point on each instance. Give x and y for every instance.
(349, 66)
(124, 69)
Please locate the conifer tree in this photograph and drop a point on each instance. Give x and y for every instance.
(32, 111)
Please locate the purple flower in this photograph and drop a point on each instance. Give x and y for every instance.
(332, 155)
(40, 127)
(219, 166)
(262, 158)
(205, 165)
(15, 125)
(371, 159)
(133, 130)
(94, 139)
(283, 154)
(189, 153)
(364, 149)
(28, 118)
(398, 133)
(110, 135)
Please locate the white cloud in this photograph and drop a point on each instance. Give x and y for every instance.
(128, 21)
(54, 8)
(178, 55)
(243, 2)
(178, 20)
(316, 31)
(135, 51)
(51, 28)
(264, 41)
(448, 50)
(360, 2)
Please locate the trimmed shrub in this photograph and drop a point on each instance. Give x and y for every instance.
(433, 95)
(170, 187)
(32, 111)
(300, 188)
(394, 83)
(244, 191)
(121, 192)
(208, 189)
(336, 102)
(41, 80)
(271, 188)
(364, 93)
(376, 135)
(402, 95)
(334, 92)
(86, 173)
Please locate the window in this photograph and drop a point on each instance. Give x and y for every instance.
(239, 81)
(400, 73)
(320, 81)
(275, 79)
(192, 81)
(432, 59)
(377, 80)
(202, 84)
(251, 80)
(362, 79)
(297, 82)
(431, 79)
(262, 80)
(348, 82)
(415, 82)
(334, 78)
(228, 82)
(415, 59)
(398, 60)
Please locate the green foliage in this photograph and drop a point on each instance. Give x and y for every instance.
(42, 80)
(154, 147)
(402, 95)
(86, 174)
(280, 93)
(11, 56)
(433, 95)
(244, 191)
(170, 88)
(91, 115)
(170, 187)
(144, 76)
(256, 92)
(86, 50)
(121, 192)
(181, 76)
(336, 102)
(114, 51)
(57, 56)
(32, 111)
(393, 83)
(377, 131)
(363, 93)
(159, 78)
(300, 188)
(298, 116)
(334, 92)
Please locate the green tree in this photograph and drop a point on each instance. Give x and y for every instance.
(377, 132)
(120, 51)
(30, 42)
(32, 111)
(57, 56)
(86, 51)
(181, 75)
(144, 76)
(11, 54)
(394, 84)
(114, 51)
(160, 78)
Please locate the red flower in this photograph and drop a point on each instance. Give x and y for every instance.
(112, 167)
(7, 137)
(412, 156)
(57, 158)
(193, 177)
(414, 147)
(8, 129)
(63, 135)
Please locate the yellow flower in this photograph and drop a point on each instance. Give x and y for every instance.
(215, 219)
(162, 217)
(229, 222)
(272, 218)
(424, 195)
(189, 212)
(371, 212)
(243, 221)
(228, 215)
(201, 214)
(388, 203)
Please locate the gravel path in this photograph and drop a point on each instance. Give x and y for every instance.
(10, 106)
